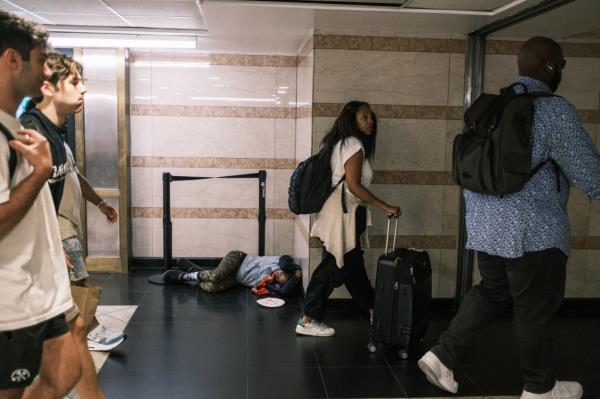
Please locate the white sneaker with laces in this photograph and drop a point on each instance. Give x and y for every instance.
(104, 339)
(436, 373)
(314, 328)
(561, 390)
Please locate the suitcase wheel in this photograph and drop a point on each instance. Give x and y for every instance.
(403, 354)
(371, 347)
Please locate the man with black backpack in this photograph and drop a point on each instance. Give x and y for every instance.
(517, 219)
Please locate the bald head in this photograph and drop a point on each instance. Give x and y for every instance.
(542, 59)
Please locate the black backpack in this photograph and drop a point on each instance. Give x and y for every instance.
(12, 159)
(493, 154)
(310, 184)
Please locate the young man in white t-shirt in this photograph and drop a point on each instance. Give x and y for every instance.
(34, 338)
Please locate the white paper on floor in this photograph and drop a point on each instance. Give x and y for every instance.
(115, 318)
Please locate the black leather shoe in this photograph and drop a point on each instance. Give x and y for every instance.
(173, 277)
(188, 266)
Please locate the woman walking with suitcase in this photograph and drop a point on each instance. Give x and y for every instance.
(344, 217)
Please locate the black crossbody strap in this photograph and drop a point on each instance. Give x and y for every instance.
(12, 159)
(344, 207)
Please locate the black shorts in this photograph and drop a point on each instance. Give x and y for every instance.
(21, 351)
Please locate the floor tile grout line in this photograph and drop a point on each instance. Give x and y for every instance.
(144, 297)
(316, 358)
(383, 366)
(172, 383)
(481, 391)
(320, 369)
(146, 293)
(189, 320)
(280, 367)
(247, 348)
(385, 359)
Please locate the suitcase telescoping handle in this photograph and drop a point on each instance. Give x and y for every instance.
(387, 235)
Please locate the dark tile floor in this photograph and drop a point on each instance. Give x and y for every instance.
(184, 343)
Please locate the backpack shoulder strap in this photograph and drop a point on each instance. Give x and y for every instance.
(341, 181)
(31, 120)
(509, 89)
(12, 159)
(534, 94)
(537, 94)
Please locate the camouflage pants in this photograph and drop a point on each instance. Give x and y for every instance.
(223, 276)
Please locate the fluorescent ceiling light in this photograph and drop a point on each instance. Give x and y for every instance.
(365, 6)
(111, 41)
(124, 30)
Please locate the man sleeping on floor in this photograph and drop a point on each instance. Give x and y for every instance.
(264, 274)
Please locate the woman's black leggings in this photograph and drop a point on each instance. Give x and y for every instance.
(328, 276)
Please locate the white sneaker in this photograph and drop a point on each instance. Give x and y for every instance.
(561, 390)
(436, 373)
(314, 328)
(104, 339)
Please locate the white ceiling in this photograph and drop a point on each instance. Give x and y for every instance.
(176, 14)
(238, 28)
(276, 27)
(482, 5)
(576, 21)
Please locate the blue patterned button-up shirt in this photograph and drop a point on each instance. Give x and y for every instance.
(535, 218)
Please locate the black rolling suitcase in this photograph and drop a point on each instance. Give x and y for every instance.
(402, 297)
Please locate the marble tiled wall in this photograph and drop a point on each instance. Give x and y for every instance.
(211, 115)
(217, 114)
(581, 86)
(416, 86)
(303, 146)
